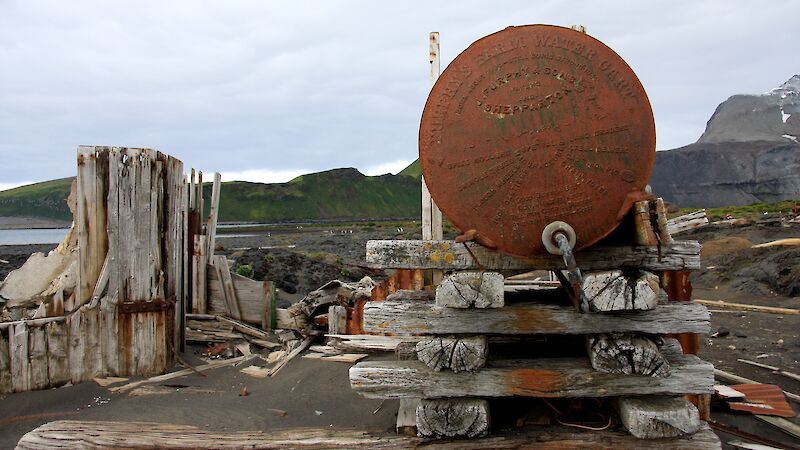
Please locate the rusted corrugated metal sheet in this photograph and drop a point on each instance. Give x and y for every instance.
(766, 399)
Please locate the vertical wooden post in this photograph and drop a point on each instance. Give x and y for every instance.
(211, 223)
(431, 215)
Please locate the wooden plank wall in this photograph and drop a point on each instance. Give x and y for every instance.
(131, 230)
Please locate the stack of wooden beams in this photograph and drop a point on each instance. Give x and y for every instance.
(447, 373)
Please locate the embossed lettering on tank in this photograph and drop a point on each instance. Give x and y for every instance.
(535, 124)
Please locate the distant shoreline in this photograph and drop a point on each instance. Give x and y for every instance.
(31, 223)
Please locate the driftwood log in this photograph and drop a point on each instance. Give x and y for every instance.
(459, 354)
(626, 353)
(471, 289)
(615, 290)
(657, 417)
(410, 318)
(452, 417)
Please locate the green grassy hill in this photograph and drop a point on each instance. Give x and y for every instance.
(413, 170)
(333, 194)
(47, 200)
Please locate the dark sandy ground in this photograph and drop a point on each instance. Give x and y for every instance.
(731, 271)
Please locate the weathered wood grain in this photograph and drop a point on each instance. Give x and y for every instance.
(471, 290)
(459, 354)
(408, 318)
(19, 354)
(407, 416)
(627, 353)
(452, 417)
(126, 435)
(448, 255)
(251, 296)
(37, 356)
(615, 290)
(657, 417)
(546, 377)
(337, 319)
(57, 353)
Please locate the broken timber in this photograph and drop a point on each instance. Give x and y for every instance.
(546, 377)
(408, 318)
(657, 417)
(448, 255)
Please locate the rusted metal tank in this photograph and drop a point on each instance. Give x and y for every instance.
(534, 125)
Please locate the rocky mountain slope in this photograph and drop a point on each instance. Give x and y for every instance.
(748, 153)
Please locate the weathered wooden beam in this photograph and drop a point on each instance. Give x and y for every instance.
(459, 354)
(657, 417)
(452, 417)
(615, 290)
(448, 255)
(211, 223)
(627, 353)
(125, 435)
(471, 289)
(546, 377)
(409, 318)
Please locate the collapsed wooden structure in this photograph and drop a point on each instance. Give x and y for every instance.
(113, 310)
(471, 341)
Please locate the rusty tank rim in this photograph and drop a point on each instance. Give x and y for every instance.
(506, 148)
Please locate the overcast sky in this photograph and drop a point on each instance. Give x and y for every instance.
(267, 90)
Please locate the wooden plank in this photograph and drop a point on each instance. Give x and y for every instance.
(448, 255)
(224, 274)
(269, 319)
(57, 353)
(90, 218)
(148, 435)
(687, 222)
(546, 377)
(409, 318)
(211, 225)
(37, 354)
(20, 358)
(179, 373)
(251, 296)
(199, 273)
(744, 307)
